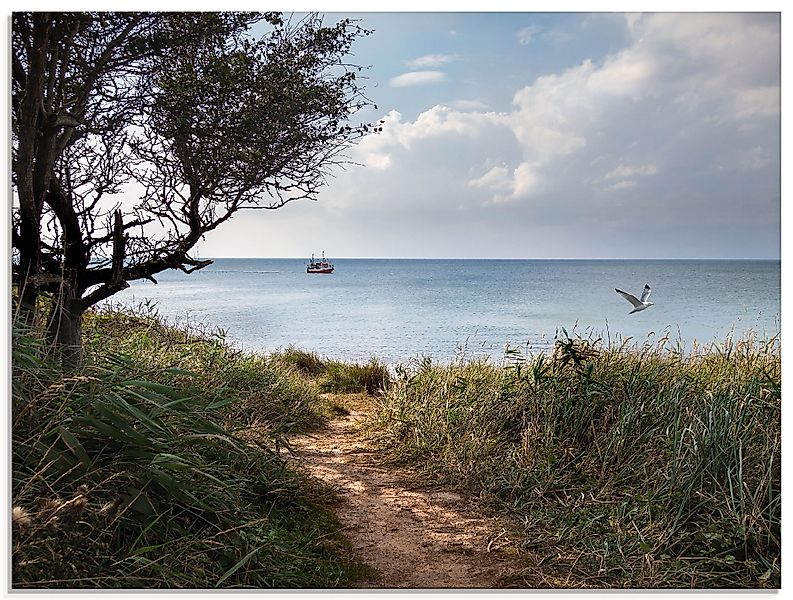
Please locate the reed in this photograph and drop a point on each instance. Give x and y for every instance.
(351, 378)
(156, 466)
(254, 390)
(335, 376)
(306, 363)
(624, 466)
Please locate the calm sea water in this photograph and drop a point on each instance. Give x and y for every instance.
(400, 309)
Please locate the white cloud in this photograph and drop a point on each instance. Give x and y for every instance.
(497, 178)
(504, 185)
(550, 115)
(526, 35)
(629, 142)
(761, 101)
(440, 124)
(695, 62)
(526, 180)
(418, 78)
(531, 33)
(756, 158)
(625, 74)
(631, 19)
(429, 61)
(625, 171)
(595, 114)
(437, 122)
(375, 160)
(623, 185)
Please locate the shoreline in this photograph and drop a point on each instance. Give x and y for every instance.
(643, 449)
(465, 350)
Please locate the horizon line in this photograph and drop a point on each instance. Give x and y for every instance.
(490, 258)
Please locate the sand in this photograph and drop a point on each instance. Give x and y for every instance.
(412, 534)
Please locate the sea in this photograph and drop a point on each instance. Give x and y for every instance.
(400, 310)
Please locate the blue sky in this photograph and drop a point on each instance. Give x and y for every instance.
(542, 135)
(484, 56)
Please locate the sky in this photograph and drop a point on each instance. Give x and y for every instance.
(550, 135)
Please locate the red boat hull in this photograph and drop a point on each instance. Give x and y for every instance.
(319, 266)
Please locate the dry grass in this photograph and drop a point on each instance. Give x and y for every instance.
(627, 467)
(135, 471)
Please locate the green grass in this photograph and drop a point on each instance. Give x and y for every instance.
(306, 363)
(336, 376)
(257, 390)
(156, 466)
(625, 467)
(350, 378)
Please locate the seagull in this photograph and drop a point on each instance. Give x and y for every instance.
(637, 304)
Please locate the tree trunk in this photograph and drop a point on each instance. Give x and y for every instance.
(64, 330)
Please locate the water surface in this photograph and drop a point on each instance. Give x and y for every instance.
(397, 309)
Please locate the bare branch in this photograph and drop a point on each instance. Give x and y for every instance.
(115, 282)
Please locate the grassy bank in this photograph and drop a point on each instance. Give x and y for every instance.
(623, 467)
(156, 465)
(338, 377)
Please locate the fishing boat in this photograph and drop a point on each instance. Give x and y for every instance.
(319, 266)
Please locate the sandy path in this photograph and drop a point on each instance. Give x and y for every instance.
(412, 536)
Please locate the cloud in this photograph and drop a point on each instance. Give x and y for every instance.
(531, 33)
(625, 104)
(623, 185)
(625, 171)
(526, 180)
(504, 185)
(676, 131)
(527, 34)
(497, 178)
(760, 101)
(437, 122)
(626, 174)
(756, 159)
(429, 61)
(418, 78)
(631, 19)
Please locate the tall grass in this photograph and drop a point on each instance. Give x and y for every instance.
(349, 378)
(338, 377)
(259, 390)
(143, 469)
(626, 467)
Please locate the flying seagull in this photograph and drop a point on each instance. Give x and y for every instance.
(637, 304)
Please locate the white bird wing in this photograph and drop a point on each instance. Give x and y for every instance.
(646, 293)
(629, 297)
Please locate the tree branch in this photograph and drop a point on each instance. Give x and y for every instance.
(116, 281)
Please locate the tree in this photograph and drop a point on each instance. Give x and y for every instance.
(188, 108)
